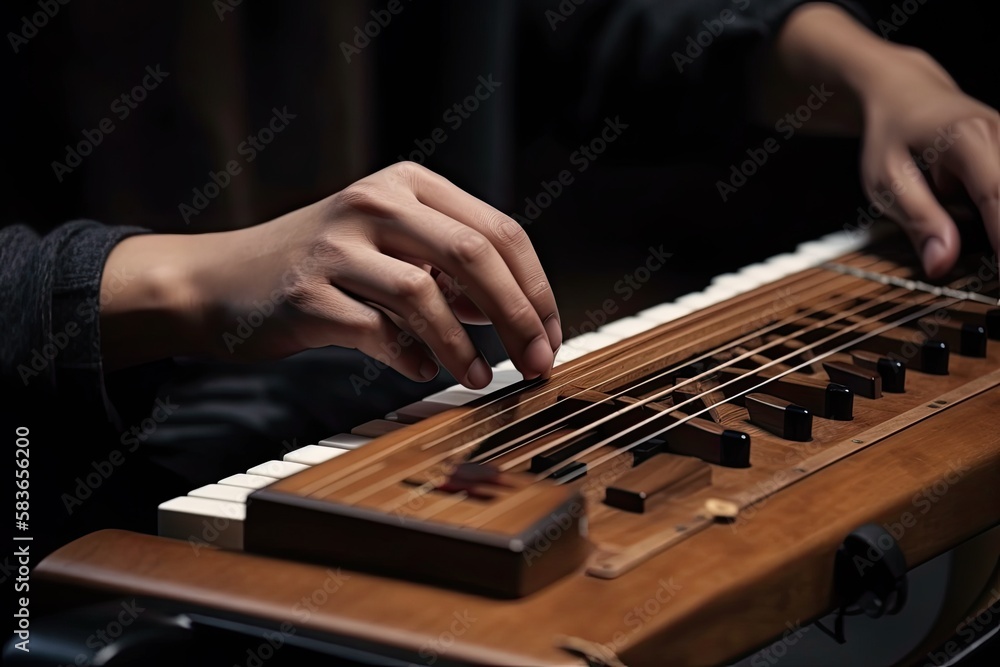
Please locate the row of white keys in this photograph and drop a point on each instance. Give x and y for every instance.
(459, 395)
(592, 341)
(223, 504)
(722, 287)
(345, 441)
(214, 514)
(218, 510)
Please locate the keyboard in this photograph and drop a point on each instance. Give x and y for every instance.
(214, 514)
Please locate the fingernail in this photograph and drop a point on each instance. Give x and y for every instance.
(537, 357)
(554, 331)
(934, 255)
(428, 369)
(479, 374)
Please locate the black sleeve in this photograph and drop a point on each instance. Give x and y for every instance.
(50, 296)
(681, 70)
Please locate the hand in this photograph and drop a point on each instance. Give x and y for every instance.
(903, 104)
(914, 114)
(390, 266)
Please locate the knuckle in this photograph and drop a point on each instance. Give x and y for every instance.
(537, 286)
(987, 198)
(896, 176)
(468, 246)
(983, 126)
(521, 314)
(892, 170)
(507, 232)
(415, 285)
(367, 322)
(300, 292)
(408, 172)
(329, 252)
(363, 196)
(453, 337)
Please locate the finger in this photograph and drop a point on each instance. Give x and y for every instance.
(977, 165)
(412, 294)
(507, 237)
(341, 320)
(949, 190)
(913, 206)
(479, 271)
(464, 308)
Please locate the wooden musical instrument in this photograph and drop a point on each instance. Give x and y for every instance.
(675, 497)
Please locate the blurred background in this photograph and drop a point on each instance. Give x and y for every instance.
(362, 102)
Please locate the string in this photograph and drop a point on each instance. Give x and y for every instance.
(707, 355)
(353, 472)
(427, 464)
(502, 506)
(909, 318)
(912, 285)
(659, 396)
(847, 315)
(549, 427)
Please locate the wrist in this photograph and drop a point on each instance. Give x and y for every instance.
(903, 73)
(821, 44)
(150, 306)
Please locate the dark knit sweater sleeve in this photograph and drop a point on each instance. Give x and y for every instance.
(50, 299)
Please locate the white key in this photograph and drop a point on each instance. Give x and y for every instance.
(821, 250)
(564, 354)
(312, 455)
(761, 272)
(738, 281)
(789, 263)
(203, 521)
(723, 292)
(501, 379)
(248, 481)
(454, 395)
(417, 412)
(277, 469)
(626, 328)
(665, 312)
(849, 241)
(345, 441)
(376, 428)
(709, 297)
(505, 365)
(592, 341)
(233, 494)
(504, 378)
(728, 279)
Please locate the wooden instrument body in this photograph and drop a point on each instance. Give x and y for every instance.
(671, 585)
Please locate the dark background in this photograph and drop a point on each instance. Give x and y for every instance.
(229, 69)
(654, 186)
